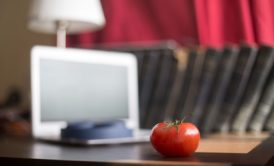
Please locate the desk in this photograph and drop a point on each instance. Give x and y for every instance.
(215, 150)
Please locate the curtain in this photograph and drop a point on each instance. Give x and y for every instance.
(213, 23)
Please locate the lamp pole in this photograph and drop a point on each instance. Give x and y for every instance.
(61, 28)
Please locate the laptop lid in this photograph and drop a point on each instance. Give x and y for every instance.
(72, 85)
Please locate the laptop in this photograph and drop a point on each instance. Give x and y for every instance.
(76, 85)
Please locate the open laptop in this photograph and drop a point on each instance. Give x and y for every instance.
(71, 85)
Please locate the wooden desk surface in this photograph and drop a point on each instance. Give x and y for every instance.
(216, 150)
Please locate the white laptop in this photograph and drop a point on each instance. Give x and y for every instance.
(71, 85)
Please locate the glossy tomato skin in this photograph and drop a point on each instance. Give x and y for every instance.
(176, 140)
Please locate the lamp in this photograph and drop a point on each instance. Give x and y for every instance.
(65, 16)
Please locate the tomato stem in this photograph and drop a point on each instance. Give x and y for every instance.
(175, 123)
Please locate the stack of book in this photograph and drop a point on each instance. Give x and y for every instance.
(219, 90)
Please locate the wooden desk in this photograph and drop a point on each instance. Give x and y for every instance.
(216, 150)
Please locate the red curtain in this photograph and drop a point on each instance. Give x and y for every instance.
(190, 22)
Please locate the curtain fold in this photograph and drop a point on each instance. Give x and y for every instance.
(212, 23)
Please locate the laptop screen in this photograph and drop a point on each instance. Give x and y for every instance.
(77, 91)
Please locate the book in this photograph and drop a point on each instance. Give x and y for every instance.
(236, 87)
(170, 84)
(269, 124)
(215, 99)
(183, 92)
(140, 55)
(260, 72)
(182, 56)
(194, 85)
(159, 98)
(265, 105)
(212, 60)
(148, 84)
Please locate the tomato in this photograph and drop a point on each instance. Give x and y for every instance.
(175, 139)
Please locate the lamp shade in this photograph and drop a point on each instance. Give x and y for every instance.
(80, 15)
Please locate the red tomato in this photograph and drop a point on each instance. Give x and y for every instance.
(175, 139)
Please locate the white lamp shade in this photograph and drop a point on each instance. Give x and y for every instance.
(81, 15)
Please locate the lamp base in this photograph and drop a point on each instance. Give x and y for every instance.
(89, 131)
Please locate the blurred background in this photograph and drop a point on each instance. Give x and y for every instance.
(16, 41)
(140, 27)
(15, 44)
